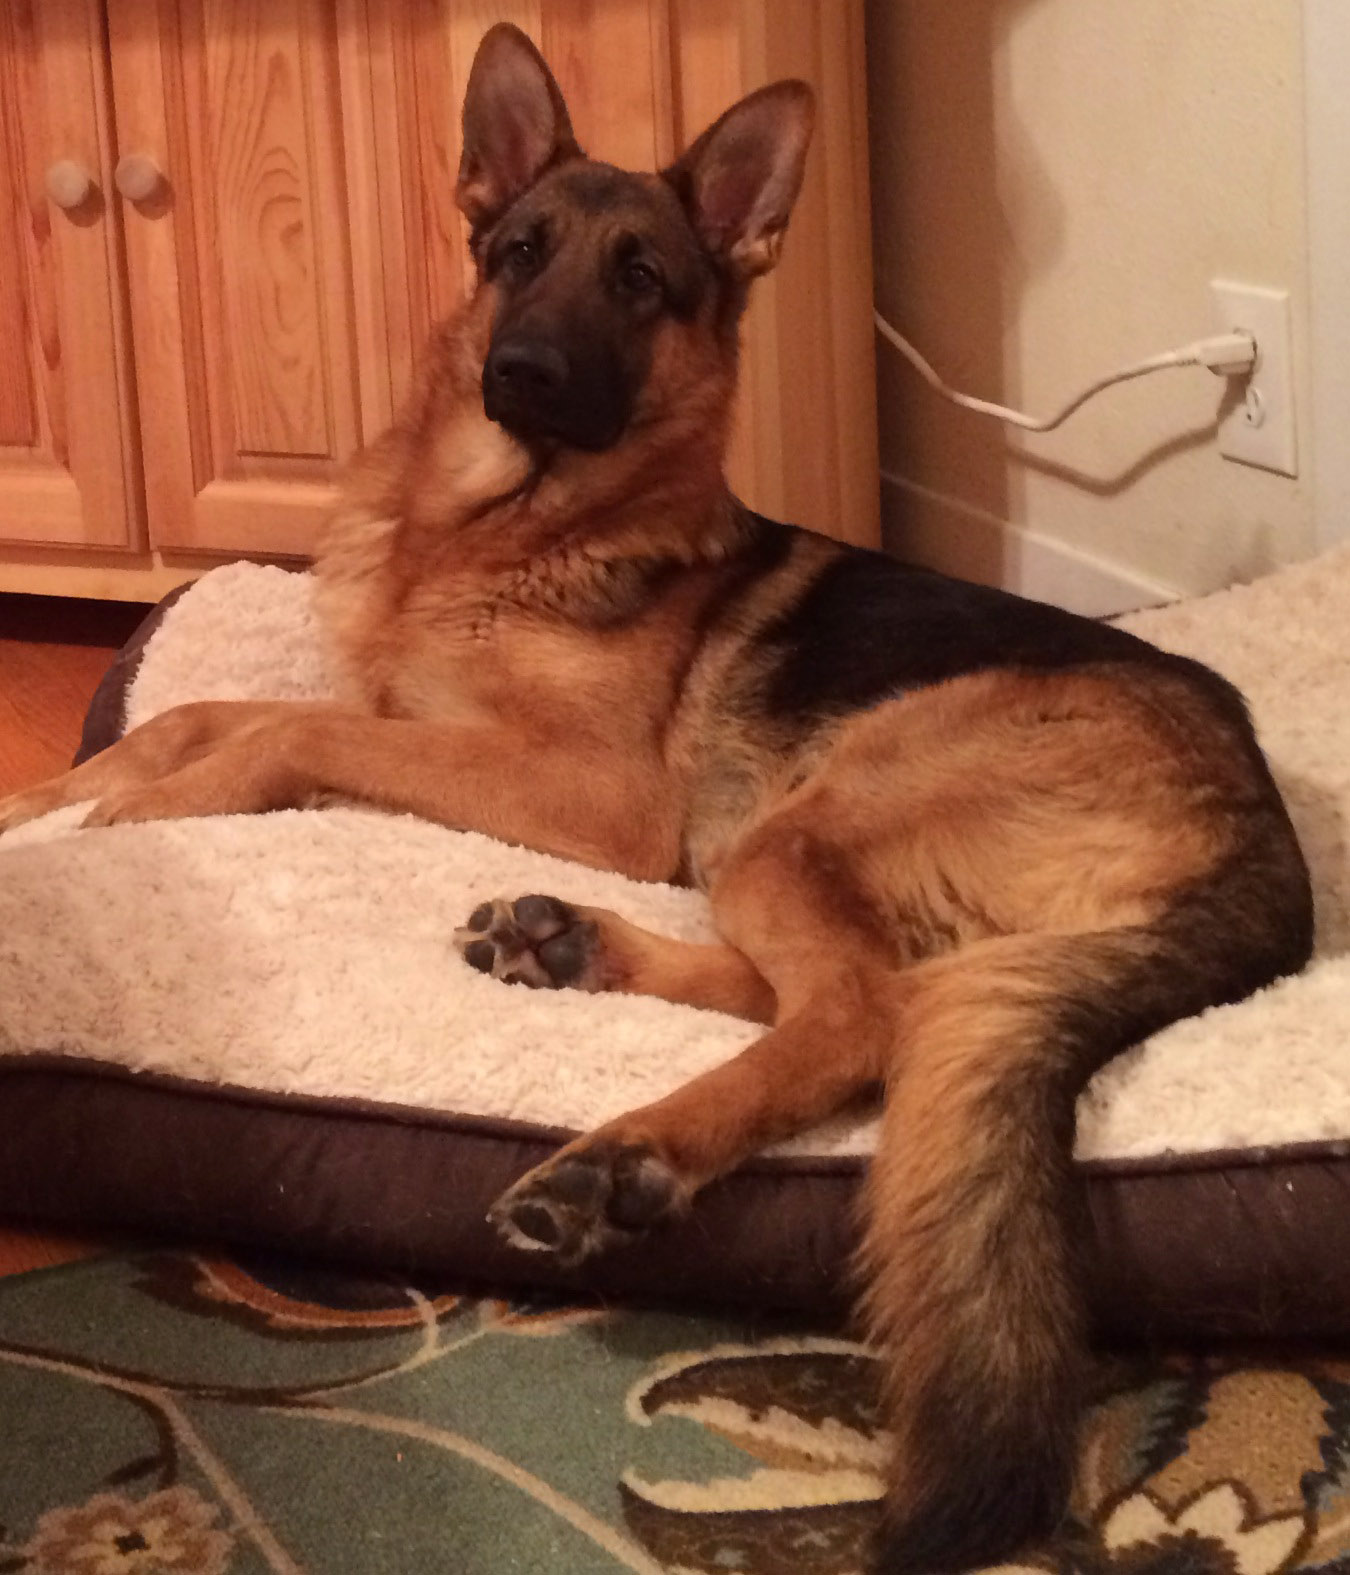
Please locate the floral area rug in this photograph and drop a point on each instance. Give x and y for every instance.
(179, 1414)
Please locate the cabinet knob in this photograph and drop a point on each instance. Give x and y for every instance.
(68, 183)
(138, 177)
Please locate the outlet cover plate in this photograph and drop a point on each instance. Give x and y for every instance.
(1261, 428)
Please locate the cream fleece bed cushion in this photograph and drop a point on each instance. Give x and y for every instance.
(298, 968)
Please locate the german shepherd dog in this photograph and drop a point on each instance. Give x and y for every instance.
(957, 845)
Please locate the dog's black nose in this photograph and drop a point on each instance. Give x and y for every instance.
(540, 388)
(528, 369)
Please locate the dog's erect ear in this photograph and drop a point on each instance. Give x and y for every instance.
(739, 180)
(515, 125)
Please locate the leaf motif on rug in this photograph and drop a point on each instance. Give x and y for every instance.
(286, 1299)
(1219, 1530)
(540, 1318)
(805, 1410)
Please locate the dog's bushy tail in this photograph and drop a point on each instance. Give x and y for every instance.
(974, 1292)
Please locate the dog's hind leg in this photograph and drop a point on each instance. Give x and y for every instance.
(549, 944)
(644, 1167)
(831, 1043)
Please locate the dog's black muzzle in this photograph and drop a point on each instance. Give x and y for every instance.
(535, 389)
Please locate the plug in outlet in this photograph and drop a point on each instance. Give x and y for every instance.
(1261, 430)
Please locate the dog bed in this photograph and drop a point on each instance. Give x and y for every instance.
(256, 1028)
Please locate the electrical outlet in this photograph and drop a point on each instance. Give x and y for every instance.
(1261, 428)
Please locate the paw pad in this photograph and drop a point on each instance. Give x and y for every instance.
(588, 1199)
(537, 941)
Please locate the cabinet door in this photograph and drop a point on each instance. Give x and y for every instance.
(67, 449)
(263, 342)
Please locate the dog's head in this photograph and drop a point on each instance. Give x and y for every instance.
(597, 275)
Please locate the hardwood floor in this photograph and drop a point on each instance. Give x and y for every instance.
(52, 654)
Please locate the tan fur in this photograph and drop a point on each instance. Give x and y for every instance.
(633, 961)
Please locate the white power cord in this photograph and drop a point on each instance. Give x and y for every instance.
(1226, 355)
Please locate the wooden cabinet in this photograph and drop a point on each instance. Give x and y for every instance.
(190, 353)
(255, 274)
(68, 460)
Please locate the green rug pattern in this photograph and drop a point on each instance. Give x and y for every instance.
(178, 1414)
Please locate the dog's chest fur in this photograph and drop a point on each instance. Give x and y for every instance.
(455, 628)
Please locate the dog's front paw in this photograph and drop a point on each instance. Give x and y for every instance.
(588, 1199)
(19, 808)
(537, 941)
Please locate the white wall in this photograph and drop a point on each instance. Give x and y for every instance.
(1326, 47)
(1054, 184)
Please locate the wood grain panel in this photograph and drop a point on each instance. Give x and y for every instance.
(257, 210)
(848, 258)
(18, 401)
(263, 130)
(269, 306)
(826, 342)
(601, 53)
(787, 44)
(67, 455)
(102, 575)
(101, 438)
(376, 200)
(805, 441)
(234, 516)
(161, 265)
(429, 137)
(708, 73)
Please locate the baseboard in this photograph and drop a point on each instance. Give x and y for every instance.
(959, 538)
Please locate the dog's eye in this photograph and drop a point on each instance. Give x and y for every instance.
(640, 278)
(522, 257)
